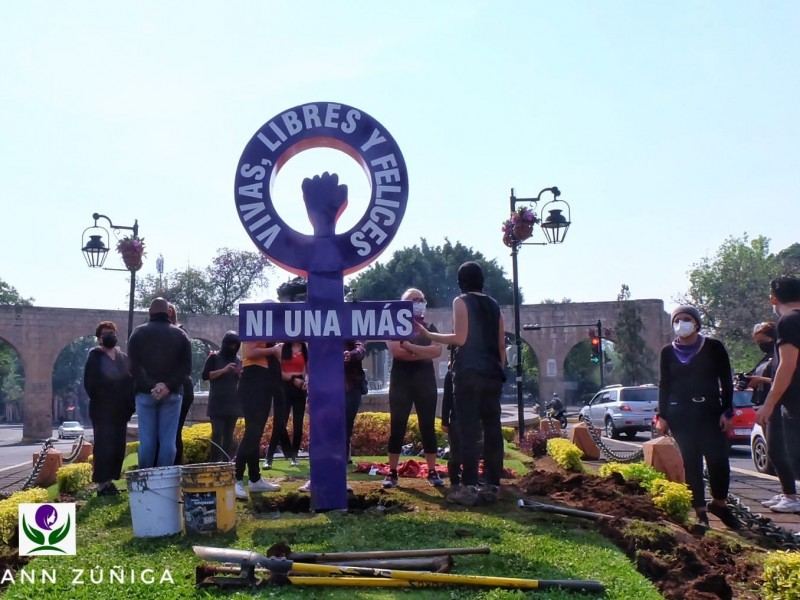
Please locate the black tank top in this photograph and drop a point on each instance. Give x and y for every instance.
(481, 351)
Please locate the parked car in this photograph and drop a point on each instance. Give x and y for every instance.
(70, 430)
(758, 448)
(619, 409)
(744, 418)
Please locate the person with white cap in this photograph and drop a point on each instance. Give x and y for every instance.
(695, 402)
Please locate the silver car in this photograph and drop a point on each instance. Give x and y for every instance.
(70, 430)
(618, 409)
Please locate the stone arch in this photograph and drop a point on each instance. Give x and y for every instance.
(77, 399)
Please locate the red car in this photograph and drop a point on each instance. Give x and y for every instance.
(744, 417)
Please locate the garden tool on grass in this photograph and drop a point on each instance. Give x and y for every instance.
(562, 510)
(283, 570)
(281, 549)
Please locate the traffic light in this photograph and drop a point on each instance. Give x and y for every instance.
(596, 349)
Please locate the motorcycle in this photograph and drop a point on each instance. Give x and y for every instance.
(558, 415)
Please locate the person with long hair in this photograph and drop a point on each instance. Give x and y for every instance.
(412, 384)
(258, 386)
(294, 375)
(108, 382)
(695, 402)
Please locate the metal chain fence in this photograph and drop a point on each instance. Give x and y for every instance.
(622, 456)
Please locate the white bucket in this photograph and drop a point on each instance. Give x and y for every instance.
(155, 499)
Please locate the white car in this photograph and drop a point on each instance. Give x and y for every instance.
(758, 447)
(70, 429)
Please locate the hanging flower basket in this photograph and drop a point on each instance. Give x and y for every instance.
(132, 251)
(520, 226)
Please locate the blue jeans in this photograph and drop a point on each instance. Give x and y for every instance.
(158, 426)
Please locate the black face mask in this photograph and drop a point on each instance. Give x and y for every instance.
(229, 351)
(767, 347)
(109, 340)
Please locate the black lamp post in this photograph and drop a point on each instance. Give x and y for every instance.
(95, 250)
(555, 230)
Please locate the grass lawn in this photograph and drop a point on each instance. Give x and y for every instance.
(522, 545)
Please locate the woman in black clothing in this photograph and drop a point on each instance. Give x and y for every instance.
(479, 333)
(294, 362)
(412, 383)
(222, 370)
(108, 382)
(693, 371)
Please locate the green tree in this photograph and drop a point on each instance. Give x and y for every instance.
(9, 296)
(12, 383)
(432, 269)
(68, 371)
(580, 369)
(731, 291)
(634, 360)
(232, 277)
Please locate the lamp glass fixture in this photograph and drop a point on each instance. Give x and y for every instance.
(94, 248)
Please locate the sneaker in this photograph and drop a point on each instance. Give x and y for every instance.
(435, 480)
(455, 486)
(724, 514)
(466, 495)
(267, 463)
(294, 463)
(489, 493)
(786, 505)
(108, 490)
(772, 501)
(390, 481)
(702, 520)
(239, 490)
(306, 487)
(262, 485)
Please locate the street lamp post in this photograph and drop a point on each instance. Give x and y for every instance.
(555, 230)
(95, 250)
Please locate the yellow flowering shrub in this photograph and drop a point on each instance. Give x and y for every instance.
(131, 448)
(565, 453)
(673, 498)
(9, 517)
(782, 576)
(73, 478)
(196, 443)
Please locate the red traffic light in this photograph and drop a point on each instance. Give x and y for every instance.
(595, 341)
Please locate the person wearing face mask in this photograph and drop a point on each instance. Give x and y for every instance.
(760, 380)
(695, 402)
(783, 400)
(223, 369)
(108, 382)
(412, 382)
(479, 334)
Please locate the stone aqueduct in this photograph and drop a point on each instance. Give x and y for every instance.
(38, 334)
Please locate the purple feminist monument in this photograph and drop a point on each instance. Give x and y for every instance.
(325, 321)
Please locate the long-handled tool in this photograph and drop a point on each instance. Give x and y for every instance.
(282, 567)
(562, 510)
(330, 557)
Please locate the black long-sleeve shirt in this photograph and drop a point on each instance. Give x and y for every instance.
(159, 352)
(707, 375)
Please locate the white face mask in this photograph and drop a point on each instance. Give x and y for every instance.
(683, 328)
(419, 309)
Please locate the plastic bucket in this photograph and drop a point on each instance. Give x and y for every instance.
(155, 501)
(209, 504)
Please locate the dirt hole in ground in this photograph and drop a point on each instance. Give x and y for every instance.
(681, 565)
(377, 502)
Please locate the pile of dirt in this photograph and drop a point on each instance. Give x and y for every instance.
(682, 565)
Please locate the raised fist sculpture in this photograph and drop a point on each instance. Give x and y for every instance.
(325, 201)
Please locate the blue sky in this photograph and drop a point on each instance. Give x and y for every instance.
(667, 126)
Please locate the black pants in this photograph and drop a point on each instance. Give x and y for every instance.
(417, 390)
(783, 432)
(280, 418)
(352, 402)
(454, 460)
(257, 390)
(186, 404)
(699, 436)
(110, 433)
(477, 404)
(222, 429)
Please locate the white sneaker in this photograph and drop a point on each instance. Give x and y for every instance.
(772, 501)
(306, 487)
(239, 490)
(786, 505)
(262, 485)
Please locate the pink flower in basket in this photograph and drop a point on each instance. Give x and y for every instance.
(132, 245)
